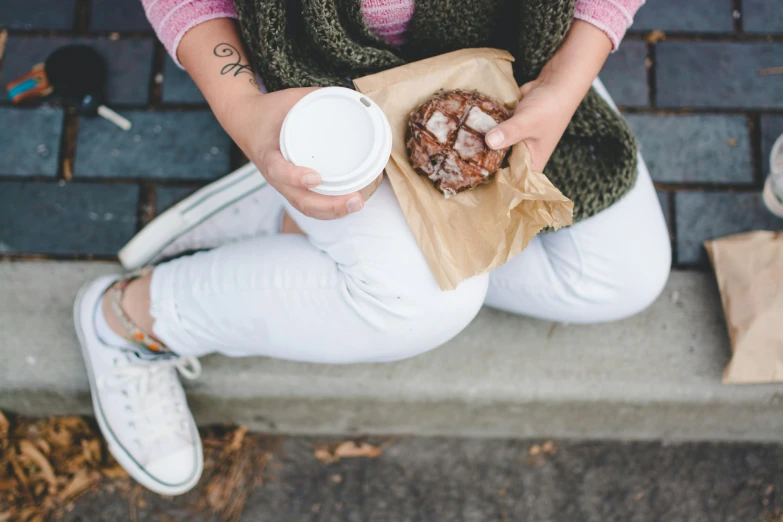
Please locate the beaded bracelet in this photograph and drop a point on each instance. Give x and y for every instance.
(134, 333)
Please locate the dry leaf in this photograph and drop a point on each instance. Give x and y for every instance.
(44, 446)
(29, 450)
(79, 484)
(237, 439)
(503, 491)
(325, 456)
(656, 36)
(216, 493)
(27, 514)
(114, 472)
(73, 424)
(732, 142)
(549, 447)
(91, 449)
(60, 438)
(349, 449)
(639, 496)
(337, 479)
(75, 463)
(4, 424)
(19, 472)
(3, 40)
(770, 71)
(534, 450)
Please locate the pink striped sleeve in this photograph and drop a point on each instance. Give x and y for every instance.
(613, 17)
(171, 19)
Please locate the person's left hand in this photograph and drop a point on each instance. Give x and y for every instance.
(539, 120)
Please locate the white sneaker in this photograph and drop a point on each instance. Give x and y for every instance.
(140, 404)
(238, 206)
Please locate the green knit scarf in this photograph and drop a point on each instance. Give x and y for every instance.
(298, 43)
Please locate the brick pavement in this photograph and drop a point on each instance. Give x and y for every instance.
(72, 187)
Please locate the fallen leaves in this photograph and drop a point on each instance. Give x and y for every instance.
(656, 36)
(80, 483)
(537, 453)
(548, 448)
(28, 450)
(348, 449)
(233, 463)
(3, 40)
(46, 464)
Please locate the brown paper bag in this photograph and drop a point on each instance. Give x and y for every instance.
(480, 229)
(749, 269)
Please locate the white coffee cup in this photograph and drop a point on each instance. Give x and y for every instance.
(773, 187)
(342, 135)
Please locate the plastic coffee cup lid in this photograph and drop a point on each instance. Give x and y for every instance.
(339, 133)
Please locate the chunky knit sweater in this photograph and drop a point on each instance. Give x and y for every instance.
(389, 19)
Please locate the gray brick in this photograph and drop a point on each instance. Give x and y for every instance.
(625, 75)
(718, 74)
(762, 16)
(161, 145)
(710, 215)
(168, 196)
(771, 128)
(702, 148)
(177, 85)
(129, 63)
(37, 14)
(685, 15)
(663, 199)
(30, 141)
(118, 15)
(75, 218)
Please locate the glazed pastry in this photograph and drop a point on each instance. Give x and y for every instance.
(446, 139)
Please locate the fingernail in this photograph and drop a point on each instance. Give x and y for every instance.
(310, 180)
(354, 204)
(495, 138)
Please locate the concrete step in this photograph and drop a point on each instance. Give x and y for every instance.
(654, 376)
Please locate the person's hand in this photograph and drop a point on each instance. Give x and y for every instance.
(539, 120)
(549, 102)
(254, 123)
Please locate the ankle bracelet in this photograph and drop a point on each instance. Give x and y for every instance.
(133, 332)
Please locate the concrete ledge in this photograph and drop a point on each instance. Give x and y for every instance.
(656, 375)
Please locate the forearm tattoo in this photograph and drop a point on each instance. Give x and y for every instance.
(235, 67)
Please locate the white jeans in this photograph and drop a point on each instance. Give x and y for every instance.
(358, 289)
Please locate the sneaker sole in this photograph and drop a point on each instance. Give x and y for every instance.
(115, 448)
(191, 211)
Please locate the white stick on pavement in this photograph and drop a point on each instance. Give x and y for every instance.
(119, 121)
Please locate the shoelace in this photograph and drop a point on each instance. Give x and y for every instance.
(154, 409)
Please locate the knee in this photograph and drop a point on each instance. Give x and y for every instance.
(426, 318)
(645, 282)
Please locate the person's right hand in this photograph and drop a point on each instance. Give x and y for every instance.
(254, 122)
